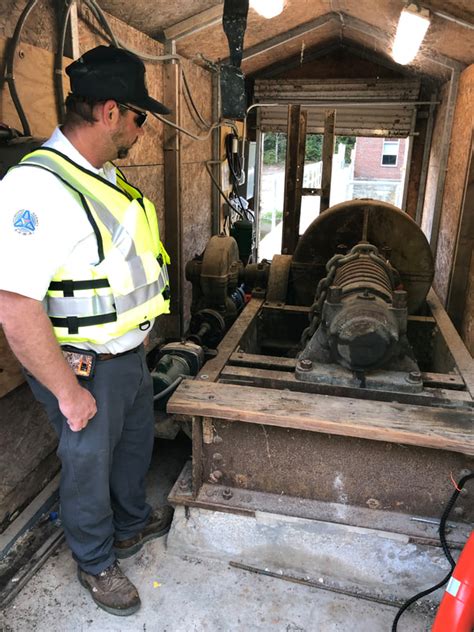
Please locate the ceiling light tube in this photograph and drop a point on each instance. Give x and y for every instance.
(411, 30)
(268, 8)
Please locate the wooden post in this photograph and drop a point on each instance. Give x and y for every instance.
(295, 150)
(172, 192)
(328, 152)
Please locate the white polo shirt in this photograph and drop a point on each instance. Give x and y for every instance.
(42, 227)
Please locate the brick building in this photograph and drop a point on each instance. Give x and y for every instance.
(379, 168)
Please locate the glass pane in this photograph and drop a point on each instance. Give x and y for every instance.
(272, 195)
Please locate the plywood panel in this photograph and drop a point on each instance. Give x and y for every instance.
(33, 73)
(149, 148)
(196, 210)
(200, 85)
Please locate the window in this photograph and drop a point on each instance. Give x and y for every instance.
(390, 153)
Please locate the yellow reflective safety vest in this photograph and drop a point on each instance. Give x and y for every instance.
(129, 286)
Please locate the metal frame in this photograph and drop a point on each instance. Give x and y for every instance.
(425, 161)
(195, 23)
(258, 433)
(172, 188)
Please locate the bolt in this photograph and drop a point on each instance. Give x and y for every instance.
(215, 476)
(227, 493)
(183, 483)
(414, 376)
(204, 377)
(463, 492)
(465, 472)
(305, 365)
(399, 299)
(217, 439)
(459, 512)
(387, 252)
(217, 457)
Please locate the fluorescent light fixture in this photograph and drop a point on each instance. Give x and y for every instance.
(411, 30)
(268, 8)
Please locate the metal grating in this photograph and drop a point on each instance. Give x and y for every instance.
(364, 108)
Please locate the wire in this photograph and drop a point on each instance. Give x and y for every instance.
(216, 184)
(223, 123)
(58, 64)
(168, 389)
(9, 75)
(99, 14)
(235, 168)
(187, 93)
(444, 544)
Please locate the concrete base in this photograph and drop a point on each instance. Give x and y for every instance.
(371, 562)
(183, 590)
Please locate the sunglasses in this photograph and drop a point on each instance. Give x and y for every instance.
(140, 116)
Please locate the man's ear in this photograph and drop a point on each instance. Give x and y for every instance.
(110, 112)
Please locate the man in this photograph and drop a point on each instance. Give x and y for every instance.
(82, 278)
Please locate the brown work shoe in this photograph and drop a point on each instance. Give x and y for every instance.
(111, 590)
(158, 524)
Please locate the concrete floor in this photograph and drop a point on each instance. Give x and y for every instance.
(180, 593)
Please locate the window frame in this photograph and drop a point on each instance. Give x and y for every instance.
(393, 141)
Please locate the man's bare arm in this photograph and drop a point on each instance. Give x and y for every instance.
(31, 338)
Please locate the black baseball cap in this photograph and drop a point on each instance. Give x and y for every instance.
(107, 72)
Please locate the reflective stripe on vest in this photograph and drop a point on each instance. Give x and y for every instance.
(130, 285)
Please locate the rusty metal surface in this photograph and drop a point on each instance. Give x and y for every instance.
(277, 288)
(244, 502)
(387, 227)
(348, 471)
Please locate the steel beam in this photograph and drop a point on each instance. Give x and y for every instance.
(194, 24)
(172, 190)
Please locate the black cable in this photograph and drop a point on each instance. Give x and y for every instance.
(100, 17)
(9, 76)
(216, 184)
(187, 90)
(235, 168)
(446, 551)
(58, 64)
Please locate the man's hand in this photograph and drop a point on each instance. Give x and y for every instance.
(78, 409)
(31, 338)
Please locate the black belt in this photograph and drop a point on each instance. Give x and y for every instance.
(111, 356)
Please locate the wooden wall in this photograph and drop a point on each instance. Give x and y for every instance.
(458, 164)
(145, 164)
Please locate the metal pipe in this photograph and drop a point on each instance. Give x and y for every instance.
(307, 582)
(451, 18)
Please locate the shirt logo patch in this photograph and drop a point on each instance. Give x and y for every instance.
(25, 222)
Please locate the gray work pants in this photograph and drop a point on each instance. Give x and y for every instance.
(102, 491)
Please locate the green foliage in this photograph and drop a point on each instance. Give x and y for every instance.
(274, 147)
(349, 142)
